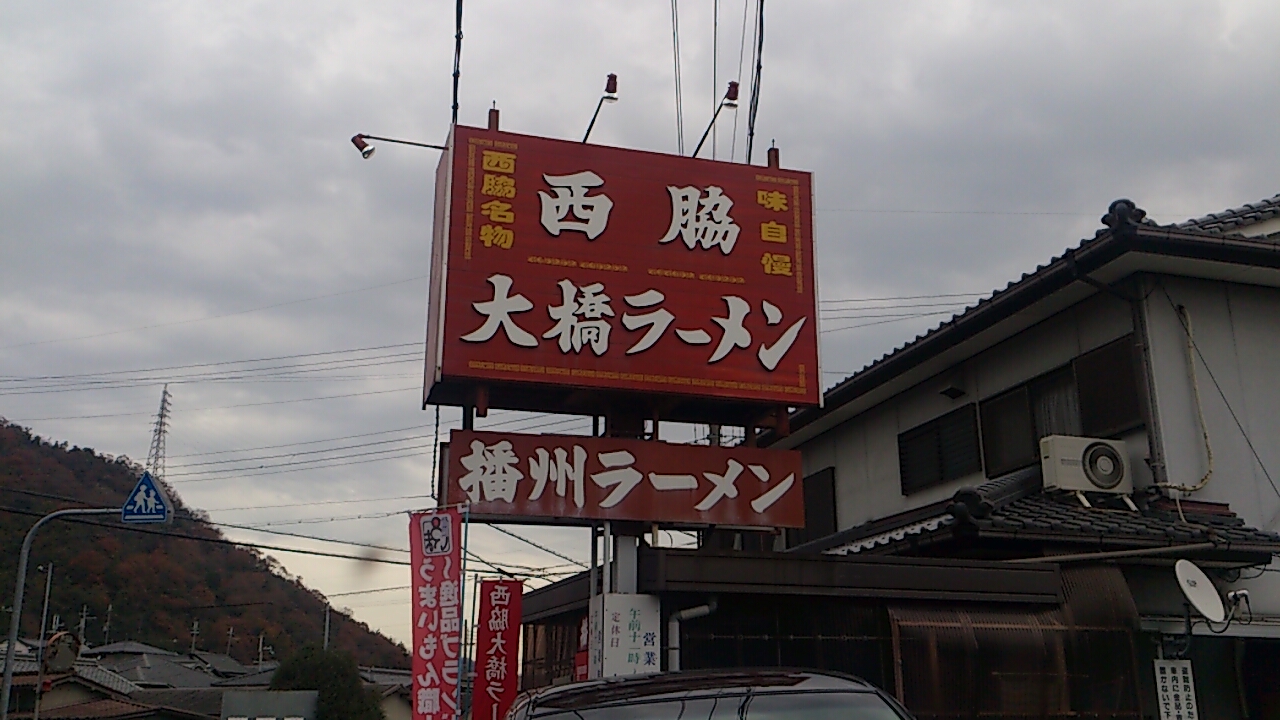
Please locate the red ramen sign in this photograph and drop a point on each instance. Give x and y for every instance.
(507, 476)
(564, 264)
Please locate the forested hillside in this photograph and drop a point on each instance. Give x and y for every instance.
(156, 579)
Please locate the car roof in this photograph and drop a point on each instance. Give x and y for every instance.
(693, 684)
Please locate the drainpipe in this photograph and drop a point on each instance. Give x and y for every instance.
(673, 630)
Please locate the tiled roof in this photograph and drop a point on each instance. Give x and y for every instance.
(85, 670)
(223, 665)
(151, 671)
(1016, 506)
(128, 647)
(1127, 225)
(1236, 218)
(203, 701)
(96, 709)
(257, 679)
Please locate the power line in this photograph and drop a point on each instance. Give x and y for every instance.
(218, 317)
(899, 297)
(543, 548)
(882, 322)
(223, 362)
(304, 442)
(317, 502)
(215, 541)
(226, 407)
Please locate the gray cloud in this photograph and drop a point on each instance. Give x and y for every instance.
(166, 162)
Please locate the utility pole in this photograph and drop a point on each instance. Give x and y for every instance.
(326, 626)
(195, 633)
(44, 615)
(84, 618)
(106, 627)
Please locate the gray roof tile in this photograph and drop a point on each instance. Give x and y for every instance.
(1017, 504)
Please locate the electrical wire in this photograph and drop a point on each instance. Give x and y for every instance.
(675, 50)
(742, 45)
(317, 502)
(218, 317)
(172, 368)
(549, 570)
(225, 407)
(543, 548)
(882, 322)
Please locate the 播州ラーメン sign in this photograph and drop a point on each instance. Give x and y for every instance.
(562, 264)
(566, 479)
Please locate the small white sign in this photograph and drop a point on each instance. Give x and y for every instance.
(1176, 690)
(626, 635)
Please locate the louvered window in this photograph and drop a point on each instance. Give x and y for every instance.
(940, 450)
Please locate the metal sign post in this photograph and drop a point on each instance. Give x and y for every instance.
(20, 587)
(147, 503)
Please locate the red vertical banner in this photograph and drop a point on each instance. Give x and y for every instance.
(497, 648)
(435, 542)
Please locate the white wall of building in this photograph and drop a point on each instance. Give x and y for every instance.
(864, 450)
(1237, 330)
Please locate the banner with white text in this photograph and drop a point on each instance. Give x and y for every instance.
(435, 542)
(497, 648)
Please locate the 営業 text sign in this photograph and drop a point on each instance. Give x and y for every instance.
(561, 263)
(571, 478)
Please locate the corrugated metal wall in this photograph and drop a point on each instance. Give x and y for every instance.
(1075, 661)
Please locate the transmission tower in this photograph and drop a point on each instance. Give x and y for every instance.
(155, 456)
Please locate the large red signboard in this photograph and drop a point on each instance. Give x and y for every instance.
(570, 478)
(436, 556)
(497, 648)
(565, 264)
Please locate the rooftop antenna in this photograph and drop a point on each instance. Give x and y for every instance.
(155, 456)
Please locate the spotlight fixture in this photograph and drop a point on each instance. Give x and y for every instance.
(610, 96)
(731, 101)
(366, 150)
(361, 141)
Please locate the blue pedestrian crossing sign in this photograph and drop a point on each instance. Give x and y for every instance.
(147, 503)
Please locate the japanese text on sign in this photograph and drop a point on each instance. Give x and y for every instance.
(436, 559)
(497, 647)
(619, 479)
(1175, 690)
(626, 630)
(572, 264)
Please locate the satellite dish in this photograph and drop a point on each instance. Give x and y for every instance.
(1200, 591)
(61, 653)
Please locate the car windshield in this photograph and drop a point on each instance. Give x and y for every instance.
(764, 706)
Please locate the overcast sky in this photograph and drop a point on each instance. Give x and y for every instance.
(177, 188)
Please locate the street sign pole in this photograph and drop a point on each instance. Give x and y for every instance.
(20, 585)
(146, 504)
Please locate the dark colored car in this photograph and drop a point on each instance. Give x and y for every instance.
(713, 695)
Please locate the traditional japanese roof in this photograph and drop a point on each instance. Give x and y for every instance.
(386, 676)
(1016, 507)
(157, 671)
(202, 701)
(1131, 243)
(90, 672)
(223, 665)
(120, 709)
(262, 678)
(127, 647)
(1236, 219)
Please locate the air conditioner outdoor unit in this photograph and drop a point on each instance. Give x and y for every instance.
(1088, 464)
